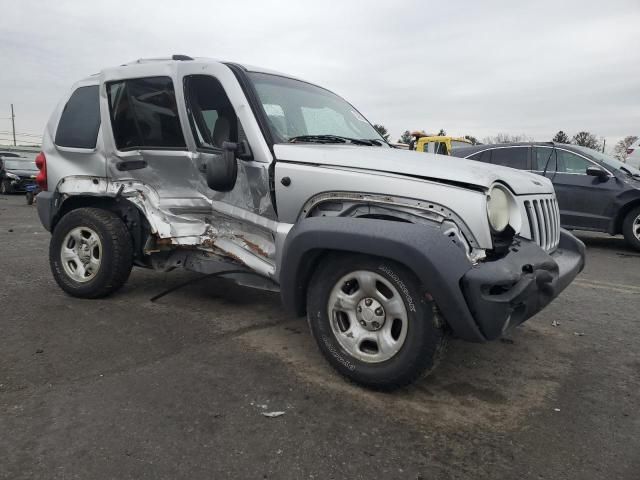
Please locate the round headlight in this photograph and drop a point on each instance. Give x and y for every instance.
(498, 209)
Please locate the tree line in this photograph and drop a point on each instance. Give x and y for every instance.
(582, 138)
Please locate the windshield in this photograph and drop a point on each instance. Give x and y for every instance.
(607, 160)
(295, 108)
(20, 164)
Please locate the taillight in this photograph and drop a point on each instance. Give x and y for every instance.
(629, 151)
(41, 178)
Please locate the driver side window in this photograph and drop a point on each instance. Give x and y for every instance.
(212, 119)
(571, 163)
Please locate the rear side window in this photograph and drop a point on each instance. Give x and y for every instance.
(80, 120)
(545, 159)
(510, 157)
(482, 156)
(144, 114)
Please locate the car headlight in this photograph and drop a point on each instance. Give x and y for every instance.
(12, 176)
(499, 208)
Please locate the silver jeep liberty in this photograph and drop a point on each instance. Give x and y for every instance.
(279, 184)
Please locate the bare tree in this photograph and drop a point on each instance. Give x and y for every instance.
(586, 139)
(472, 139)
(620, 150)
(561, 137)
(442, 132)
(507, 138)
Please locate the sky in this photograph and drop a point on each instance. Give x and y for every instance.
(472, 68)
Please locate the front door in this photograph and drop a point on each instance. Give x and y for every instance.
(583, 199)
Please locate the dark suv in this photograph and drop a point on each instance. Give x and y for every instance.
(594, 191)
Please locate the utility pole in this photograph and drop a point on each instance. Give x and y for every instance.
(604, 144)
(13, 125)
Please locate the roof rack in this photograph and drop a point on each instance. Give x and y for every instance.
(180, 58)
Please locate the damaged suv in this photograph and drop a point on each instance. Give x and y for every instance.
(279, 184)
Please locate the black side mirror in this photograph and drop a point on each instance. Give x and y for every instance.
(597, 172)
(243, 150)
(222, 169)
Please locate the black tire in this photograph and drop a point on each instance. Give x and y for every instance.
(29, 196)
(425, 340)
(630, 236)
(117, 252)
(5, 187)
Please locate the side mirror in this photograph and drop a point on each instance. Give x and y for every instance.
(243, 150)
(597, 172)
(222, 169)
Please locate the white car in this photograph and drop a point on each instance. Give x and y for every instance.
(634, 154)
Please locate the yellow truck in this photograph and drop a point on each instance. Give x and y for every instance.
(441, 144)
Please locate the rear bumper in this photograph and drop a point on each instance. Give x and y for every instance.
(506, 292)
(46, 208)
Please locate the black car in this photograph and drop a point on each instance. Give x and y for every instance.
(594, 191)
(16, 172)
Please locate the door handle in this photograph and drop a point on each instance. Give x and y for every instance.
(126, 165)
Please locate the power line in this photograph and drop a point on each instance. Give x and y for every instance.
(23, 134)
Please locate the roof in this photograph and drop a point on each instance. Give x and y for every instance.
(171, 60)
(471, 149)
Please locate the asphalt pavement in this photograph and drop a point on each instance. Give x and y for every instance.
(125, 388)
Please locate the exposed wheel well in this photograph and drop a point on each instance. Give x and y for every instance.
(135, 222)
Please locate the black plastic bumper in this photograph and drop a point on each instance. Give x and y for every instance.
(506, 292)
(46, 208)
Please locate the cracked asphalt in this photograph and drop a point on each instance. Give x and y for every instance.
(125, 388)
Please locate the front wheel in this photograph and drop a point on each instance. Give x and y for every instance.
(372, 321)
(90, 253)
(631, 228)
(5, 188)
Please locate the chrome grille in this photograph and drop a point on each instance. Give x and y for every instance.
(544, 221)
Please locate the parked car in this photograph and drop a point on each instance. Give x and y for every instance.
(633, 152)
(16, 173)
(280, 184)
(595, 192)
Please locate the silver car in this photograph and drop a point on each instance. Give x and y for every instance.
(280, 184)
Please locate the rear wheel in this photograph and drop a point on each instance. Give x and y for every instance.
(631, 228)
(372, 321)
(90, 253)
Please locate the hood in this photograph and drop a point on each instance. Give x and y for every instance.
(416, 164)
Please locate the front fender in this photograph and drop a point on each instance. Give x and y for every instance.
(436, 260)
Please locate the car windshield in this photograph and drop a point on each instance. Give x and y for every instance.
(300, 111)
(22, 164)
(607, 160)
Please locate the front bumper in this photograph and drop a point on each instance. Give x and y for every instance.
(506, 292)
(21, 184)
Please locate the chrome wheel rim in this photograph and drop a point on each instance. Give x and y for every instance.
(368, 316)
(81, 254)
(635, 227)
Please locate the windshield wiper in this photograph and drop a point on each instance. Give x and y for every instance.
(329, 139)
